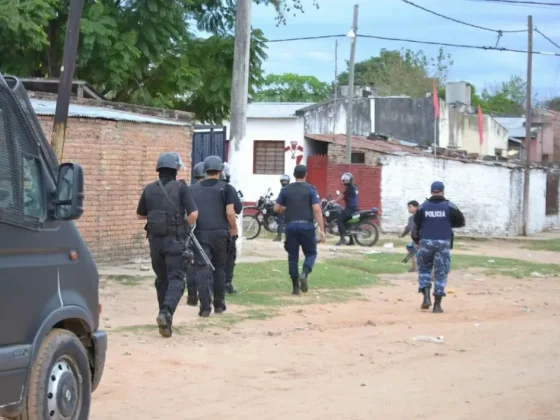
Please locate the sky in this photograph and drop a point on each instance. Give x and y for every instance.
(394, 18)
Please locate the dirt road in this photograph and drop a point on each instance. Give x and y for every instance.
(351, 361)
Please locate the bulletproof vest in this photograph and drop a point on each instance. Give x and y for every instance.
(211, 203)
(352, 203)
(436, 223)
(165, 217)
(298, 202)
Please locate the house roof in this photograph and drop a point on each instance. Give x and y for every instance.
(46, 107)
(515, 126)
(359, 142)
(275, 110)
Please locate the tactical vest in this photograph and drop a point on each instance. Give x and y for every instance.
(298, 202)
(352, 203)
(211, 203)
(436, 224)
(165, 217)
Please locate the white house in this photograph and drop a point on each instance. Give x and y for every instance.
(274, 146)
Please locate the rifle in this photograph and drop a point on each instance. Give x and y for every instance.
(188, 253)
(409, 256)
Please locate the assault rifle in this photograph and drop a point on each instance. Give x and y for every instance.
(409, 256)
(188, 253)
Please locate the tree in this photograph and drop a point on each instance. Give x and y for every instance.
(402, 72)
(553, 104)
(141, 51)
(505, 98)
(290, 87)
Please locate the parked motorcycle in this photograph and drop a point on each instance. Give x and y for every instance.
(362, 226)
(262, 215)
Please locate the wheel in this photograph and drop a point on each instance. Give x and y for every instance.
(269, 224)
(366, 233)
(251, 226)
(60, 380)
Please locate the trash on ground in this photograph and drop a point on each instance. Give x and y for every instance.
(370, 252)
(429, 339)
(389, 245)
(451, 291)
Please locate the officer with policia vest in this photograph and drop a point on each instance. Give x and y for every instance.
(232, 252)
(433, 231)
(192, 294)
(169, 209)
(300, 203)
(215, 228)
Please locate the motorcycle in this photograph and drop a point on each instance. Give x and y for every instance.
(362, 226)
(262, 215)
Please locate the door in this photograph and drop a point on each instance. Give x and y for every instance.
(206, 143)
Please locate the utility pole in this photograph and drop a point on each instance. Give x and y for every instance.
(66, 77)
(335, 102)
(528, 121)
(349, 117)
(239, 96)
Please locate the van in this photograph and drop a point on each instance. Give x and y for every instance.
(52, 353)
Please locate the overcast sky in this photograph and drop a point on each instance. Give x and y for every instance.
(394, 18)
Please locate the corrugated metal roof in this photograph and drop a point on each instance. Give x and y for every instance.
(275, 110)
(359, 142)
(45, 107)
(511, 123)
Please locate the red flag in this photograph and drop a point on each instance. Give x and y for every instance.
(435, 100)
(480, 126)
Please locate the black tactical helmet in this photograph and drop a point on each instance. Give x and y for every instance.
(198, 170)
(170, 160)
(213, 163)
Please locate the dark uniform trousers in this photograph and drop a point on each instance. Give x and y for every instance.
(169, 265)
(300, 234)
(215, 244)
(230, 262)
(343, 217)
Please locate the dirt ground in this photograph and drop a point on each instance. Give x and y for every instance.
(359, 360)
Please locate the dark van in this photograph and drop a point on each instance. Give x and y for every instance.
(52, 354)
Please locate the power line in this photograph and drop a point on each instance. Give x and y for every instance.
(547, 38)
(498, 31)
(306, 38)
(520, 2)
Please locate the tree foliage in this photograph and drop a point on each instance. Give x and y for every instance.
(290, 87)
(553, 104)
(139, 51)
(404, 72)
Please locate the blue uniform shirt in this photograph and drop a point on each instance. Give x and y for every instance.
(351, 197)
(298, 212)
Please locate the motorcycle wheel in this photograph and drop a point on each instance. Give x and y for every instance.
(251, 226)
(269, 224)
(366, 233)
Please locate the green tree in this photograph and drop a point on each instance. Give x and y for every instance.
(402, 72)
(505, 98)
(141, 51)
(290, 87)
(553, 104)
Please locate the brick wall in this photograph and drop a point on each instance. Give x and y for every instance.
(367, 178)
(119, 159)
(337, 154)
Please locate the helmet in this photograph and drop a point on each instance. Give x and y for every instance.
(285, 179)
(347, 178)
(198, 170)
(213, 163)
(170, 160)
(226, 173)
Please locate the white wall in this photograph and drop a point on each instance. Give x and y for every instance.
(489, 196)
(287, 130)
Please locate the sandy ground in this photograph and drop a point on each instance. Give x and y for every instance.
(359, 360)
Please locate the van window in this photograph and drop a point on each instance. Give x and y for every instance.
(32, 188)
(6, 184)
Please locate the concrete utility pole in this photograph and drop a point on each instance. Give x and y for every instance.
(239, 97)
(66, 77)
(353, 34)
(335, 102)
(528, 121)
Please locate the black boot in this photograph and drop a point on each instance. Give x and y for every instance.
(295, 286)
(278, 238)
(342, 241)
(426, 303)
(230, 290)
(303, 280)
(164, 321)
(437, 305)
(192, 299)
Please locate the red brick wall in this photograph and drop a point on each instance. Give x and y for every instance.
(367, 178)
(119, 159)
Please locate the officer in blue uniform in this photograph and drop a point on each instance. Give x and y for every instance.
(350, 197)
(168, 208)
(232, 252)
(300, 203)
(215, 227)
(434, 222)
(284, 180)
(192, 294)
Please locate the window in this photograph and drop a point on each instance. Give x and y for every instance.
(358, 158)
(268, 157)
(32, 188)
(6, 183)
(551, 194)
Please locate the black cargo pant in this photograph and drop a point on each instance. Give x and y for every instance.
(215, 245)
(343, 217)
(168, 263)
(230, 262)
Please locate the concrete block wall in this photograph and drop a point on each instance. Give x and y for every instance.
(119, 159)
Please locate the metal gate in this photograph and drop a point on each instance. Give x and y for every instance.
(209, 141)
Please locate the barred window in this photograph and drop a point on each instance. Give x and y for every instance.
(268, 157)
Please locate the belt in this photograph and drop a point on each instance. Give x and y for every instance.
(300, 221)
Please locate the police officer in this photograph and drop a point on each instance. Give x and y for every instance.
(215, 227)
(168, 208)
(350, 197)
(434, 222)
(192, 294)
(284, 180)
(232, 251)
(300, 202)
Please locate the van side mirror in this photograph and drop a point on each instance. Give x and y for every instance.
(69, 204)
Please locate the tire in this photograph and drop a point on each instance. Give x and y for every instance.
(372, 233)
(62, 367)
(270, 225)
(252, 222)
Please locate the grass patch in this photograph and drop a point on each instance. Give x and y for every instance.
(397, 242)
(503, 266)
(552, 245)
(125, 280)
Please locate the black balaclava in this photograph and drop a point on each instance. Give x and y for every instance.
(167, 174)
